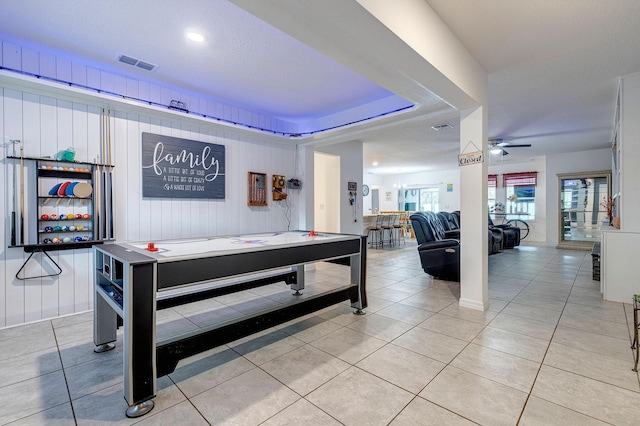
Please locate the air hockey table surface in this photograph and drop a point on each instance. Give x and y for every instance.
(174, 250)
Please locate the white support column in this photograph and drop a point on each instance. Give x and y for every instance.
(474, 292)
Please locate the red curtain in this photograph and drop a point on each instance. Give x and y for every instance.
(515, 179)
(492, 180)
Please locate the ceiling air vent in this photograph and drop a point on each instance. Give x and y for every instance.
(136, 63)
(438, 127)
(146, 66)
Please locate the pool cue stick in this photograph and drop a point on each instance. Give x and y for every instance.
(98, 184)
(110, 171)
(14, 224)
(96, 195)
(103, 210)
(21, 193)
(103, 181)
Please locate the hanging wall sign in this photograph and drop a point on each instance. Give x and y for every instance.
(181, 168)
(468, 157)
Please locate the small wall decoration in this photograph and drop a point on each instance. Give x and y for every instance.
(257, 189)
(278, 184)
(449, 187)
(182, 168)
(468, 157)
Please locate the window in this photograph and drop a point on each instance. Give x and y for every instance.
(521, 192)
(422, 199)
(492, 183)
(430, 199)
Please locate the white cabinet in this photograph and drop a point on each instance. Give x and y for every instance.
(619, 276)
(619, 255)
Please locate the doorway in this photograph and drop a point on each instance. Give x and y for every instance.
(581, 210)
(375, 201)
(326, 192)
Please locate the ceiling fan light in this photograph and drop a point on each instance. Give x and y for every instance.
(496, 151)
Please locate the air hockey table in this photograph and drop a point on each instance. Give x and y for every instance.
(130, 276)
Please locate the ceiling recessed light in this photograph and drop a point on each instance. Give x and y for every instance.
(375, 163)
(195, 36)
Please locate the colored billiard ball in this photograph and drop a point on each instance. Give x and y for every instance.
(66, 240)
(44, 217)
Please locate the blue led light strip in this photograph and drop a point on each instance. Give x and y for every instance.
(223, 120)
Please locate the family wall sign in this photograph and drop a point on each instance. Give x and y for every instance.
(181, 168)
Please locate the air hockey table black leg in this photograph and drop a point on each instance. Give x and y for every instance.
(140, 409)
(139, 344)
(358, 271)
(105, 324)
(298, 284)
(104, 348)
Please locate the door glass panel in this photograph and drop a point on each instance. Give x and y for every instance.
(581, 210)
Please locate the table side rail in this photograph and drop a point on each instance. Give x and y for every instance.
(184, 272)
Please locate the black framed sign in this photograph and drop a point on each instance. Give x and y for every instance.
(181, 168)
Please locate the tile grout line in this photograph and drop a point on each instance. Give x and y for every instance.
(64, 374)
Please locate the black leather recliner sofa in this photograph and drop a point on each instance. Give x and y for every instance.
(511, 234)
(450, 224)
(495, 236)
(439, 256)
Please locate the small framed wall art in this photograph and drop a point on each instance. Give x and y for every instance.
(257, 189)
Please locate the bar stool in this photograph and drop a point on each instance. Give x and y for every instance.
(374, 232)
(400, 227)
(387, 226)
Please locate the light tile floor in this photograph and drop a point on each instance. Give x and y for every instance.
(548, 351)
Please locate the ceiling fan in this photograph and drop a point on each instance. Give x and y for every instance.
(496, 146)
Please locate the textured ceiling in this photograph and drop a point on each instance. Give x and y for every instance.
(552, 65)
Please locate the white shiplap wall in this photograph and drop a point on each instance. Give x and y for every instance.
(48, 124)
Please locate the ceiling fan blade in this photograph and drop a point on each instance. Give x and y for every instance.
(504, 153)
(501, 143)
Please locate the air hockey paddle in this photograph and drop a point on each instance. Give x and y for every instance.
(82, 190)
